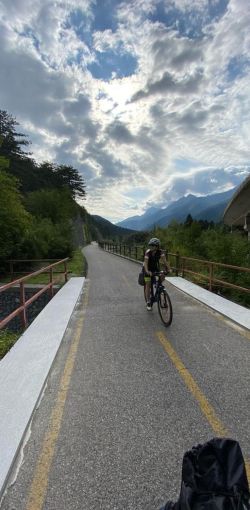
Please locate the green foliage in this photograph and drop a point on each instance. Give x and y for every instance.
(14, 219)
(211, 242)
(137, 238)
(32, 176)
(77, 264)
(68, 177)
(38, 211)
(46, 239)
(56, 205)
(7, 340)
(11, 140)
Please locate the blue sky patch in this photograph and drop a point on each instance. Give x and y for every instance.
(191, 22)
(109, 62)
(185, 164)
(236, 68)
(30, 34)
(138, 193)
(105, 15)
(216, 10)
(80, 22)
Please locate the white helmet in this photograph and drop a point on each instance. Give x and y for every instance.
(154, 242)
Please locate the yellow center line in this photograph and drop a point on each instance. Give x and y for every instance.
(205, 406)
(40, 480)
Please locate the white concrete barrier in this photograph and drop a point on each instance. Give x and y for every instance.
(237, 313)
(25, 368)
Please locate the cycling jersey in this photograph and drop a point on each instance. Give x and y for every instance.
(154, 259)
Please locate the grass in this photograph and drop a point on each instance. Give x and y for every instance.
(7, 340)
(76, 266)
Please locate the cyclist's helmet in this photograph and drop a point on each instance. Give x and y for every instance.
(154, 242)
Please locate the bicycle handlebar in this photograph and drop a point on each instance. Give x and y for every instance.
(158, 273)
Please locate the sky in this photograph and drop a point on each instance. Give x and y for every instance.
(148, 99)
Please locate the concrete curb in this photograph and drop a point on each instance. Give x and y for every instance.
(33, 353)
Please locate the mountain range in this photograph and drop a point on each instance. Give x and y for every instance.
(209, 207)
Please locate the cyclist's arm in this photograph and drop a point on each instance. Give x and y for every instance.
(146, 265)
(164, 262)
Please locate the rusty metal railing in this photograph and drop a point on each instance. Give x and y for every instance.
(134, 252)
(21, 310)
(30, 262)
(184, 266)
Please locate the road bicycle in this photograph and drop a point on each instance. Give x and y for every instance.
(160, 296)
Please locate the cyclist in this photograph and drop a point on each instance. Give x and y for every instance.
(154, 256)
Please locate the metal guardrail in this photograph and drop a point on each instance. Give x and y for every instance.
(21, 310)
(135, 252)
(185, 265)
(14, 262)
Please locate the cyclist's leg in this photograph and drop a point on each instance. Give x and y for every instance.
(147, 280)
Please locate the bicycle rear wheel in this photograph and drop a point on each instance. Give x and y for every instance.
(165, 307)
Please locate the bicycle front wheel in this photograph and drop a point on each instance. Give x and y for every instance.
(165, 308)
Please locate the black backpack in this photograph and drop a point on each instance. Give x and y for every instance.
(213, 478)
(141, 275)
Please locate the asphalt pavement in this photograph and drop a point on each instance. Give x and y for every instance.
(113, 435)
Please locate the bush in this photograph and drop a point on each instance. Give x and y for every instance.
(7, 340)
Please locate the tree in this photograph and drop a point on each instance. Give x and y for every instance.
(4, 162)
(68, 176)
(14, 219)
(11, 146)
(55, 204)
(188, 221)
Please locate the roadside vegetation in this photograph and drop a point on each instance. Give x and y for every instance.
(7, 340)
(39, 212)
(207, 241)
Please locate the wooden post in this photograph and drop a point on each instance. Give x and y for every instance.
(51, 282)
(183, 267)
(177, 263)
(66, 271)
(211, 274)
(22, 302)
(11, 271)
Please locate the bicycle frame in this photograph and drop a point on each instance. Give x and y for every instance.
(156, 286)
(160, 296)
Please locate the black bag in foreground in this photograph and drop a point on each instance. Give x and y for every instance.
(213, 478)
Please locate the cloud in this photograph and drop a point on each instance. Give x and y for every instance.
(120, 133)
(167, 84)
(201, 182)
(151, 95)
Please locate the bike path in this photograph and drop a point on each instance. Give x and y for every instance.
(128, 415)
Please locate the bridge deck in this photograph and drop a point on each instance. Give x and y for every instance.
(126, 397)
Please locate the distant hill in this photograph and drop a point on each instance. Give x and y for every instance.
(210, 208)
(106, 230)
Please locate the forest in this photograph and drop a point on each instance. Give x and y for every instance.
(39, 212)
